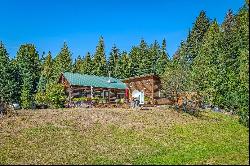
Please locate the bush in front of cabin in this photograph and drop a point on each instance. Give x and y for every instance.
(54, 96)
(40, 99)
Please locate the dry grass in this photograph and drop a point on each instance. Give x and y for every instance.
(120, 136)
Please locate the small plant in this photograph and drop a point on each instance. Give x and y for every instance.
(95, 99)
(121, 101)
(80, 99)
(102, 100)
(147, 100)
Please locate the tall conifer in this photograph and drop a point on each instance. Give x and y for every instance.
(99, 60)
(62, 62)
(7, 83)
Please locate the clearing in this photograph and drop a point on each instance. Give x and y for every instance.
(120, 136)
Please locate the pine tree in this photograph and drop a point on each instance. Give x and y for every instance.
(87, 67)
(17, 80)
(145, 60)
(78, 65)
(135, 61)
(46, 73)
(124, 64)
(47, 67)
(7, 83)
(163, 59)
(42, 60)
(173, 79)
(227, 45)
(231, 44)
(113, 63)
(242, 90)
(180, 53)
(28, 66)
(26, 90)
(99, 60)
(153, 58)
(141, 59)
(62, 63)
(205, 72)
(195, 37)
(190, 48)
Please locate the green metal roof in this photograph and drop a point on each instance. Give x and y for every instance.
(92, 80)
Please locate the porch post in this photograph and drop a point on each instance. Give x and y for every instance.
(109, 95)
(91, 92)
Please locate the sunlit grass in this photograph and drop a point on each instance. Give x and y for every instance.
(122, 137)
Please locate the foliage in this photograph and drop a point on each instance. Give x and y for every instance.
(7, 82)
(62, 63)
(242, 29)
(173, 79)
(78, 65)
(81, 99)
(214, 62)
(41, 98)
(26, 92)
(46, 73)
(99, 60)
(113, 63)
(124, 65)
(55, 95)
(96, 99)
(87, 65)
(204, 68)
(146, 98)
(135, 61)
(195, 37)
(148, 59)
(163, 60)
(28, 71)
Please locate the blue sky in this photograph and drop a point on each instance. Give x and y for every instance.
(48, 23)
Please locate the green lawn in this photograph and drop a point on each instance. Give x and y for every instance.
(113, 136)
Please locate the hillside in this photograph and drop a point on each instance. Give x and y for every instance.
(98, 136)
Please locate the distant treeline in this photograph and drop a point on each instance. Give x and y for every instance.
(213, 60)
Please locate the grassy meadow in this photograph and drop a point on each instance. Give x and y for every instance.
(120, 136)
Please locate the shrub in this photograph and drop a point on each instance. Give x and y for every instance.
(80, 99)
(55, 95)
(40, 98)
(244, 116)
(95, 99)
(121, 101)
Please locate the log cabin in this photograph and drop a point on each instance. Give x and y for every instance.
(147, 88)
(90, 86)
